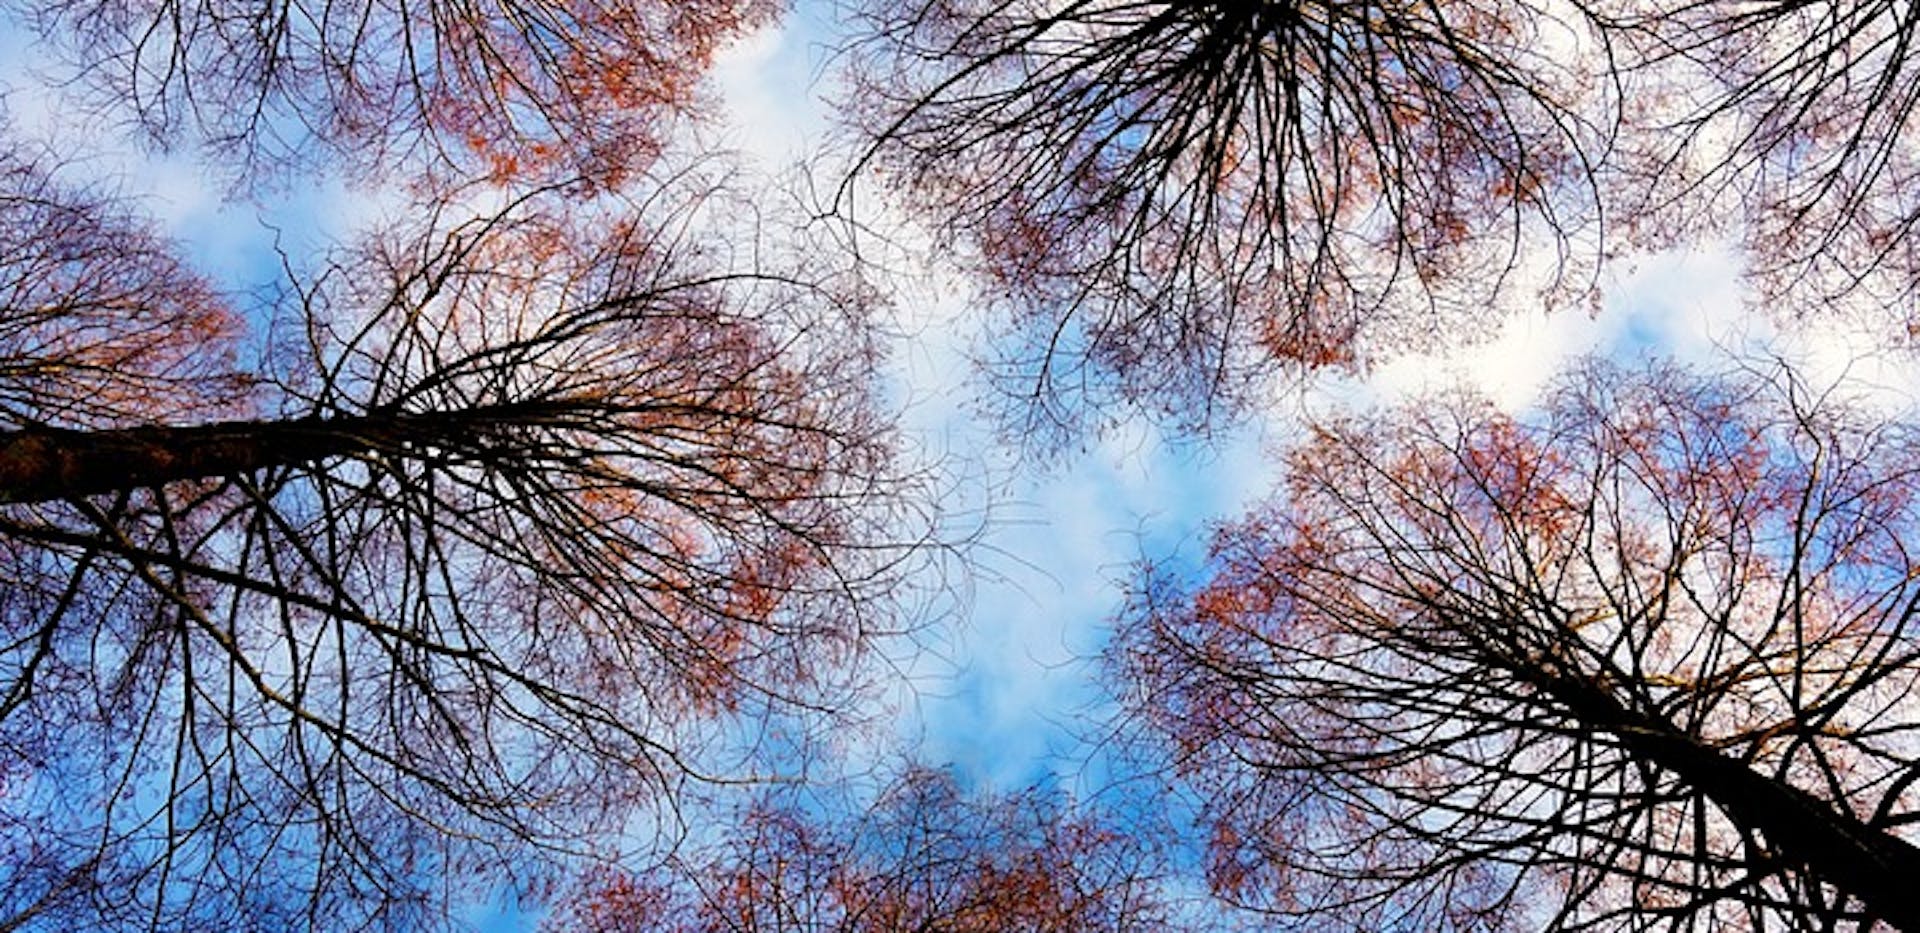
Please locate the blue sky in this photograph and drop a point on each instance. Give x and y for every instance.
(1009, 695)
(1004, 690)
(1005, 693)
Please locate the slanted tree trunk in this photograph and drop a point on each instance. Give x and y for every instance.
(43, 464)
(1879, 868)
(1639, 659)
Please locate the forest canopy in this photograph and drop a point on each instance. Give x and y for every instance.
(558, 500)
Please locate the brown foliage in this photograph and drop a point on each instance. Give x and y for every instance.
(1643, 660)
(543, 493)
(510, 89)
(924, 856)
(103, 324)
(1175, 200)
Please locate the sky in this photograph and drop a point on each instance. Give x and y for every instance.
(1005, 691)
(1002, 683)
(1006, 695)
(1062, 540)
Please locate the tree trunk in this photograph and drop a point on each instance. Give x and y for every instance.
(1879, 868)
(45, 464)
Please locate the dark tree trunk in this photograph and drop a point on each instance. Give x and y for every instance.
(1879, 868)
(44, 464)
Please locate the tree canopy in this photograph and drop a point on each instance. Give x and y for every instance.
(519, 503)
(1183, 198)
(563, 527)
(1645, 657)
(924, 856)
(556, 89)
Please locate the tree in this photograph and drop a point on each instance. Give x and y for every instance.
(1175, 201)
(518, 504)
(925, 856)
(99, 320)
(551, 89)
(1789, 126)
(1642, 660)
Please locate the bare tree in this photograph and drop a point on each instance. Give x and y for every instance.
(99, 320)
(549, 89)
(521, 503)
(1173, 202)
(1788, 125)
(1645, 660)
(925, 855)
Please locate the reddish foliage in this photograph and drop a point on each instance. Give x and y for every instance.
(924, 857)
(104, 324)
(550, 88)
(1477, 671)
(564, 492)
(1194, 196)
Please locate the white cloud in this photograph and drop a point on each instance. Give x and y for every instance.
(766, 80)
(1688, 306)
